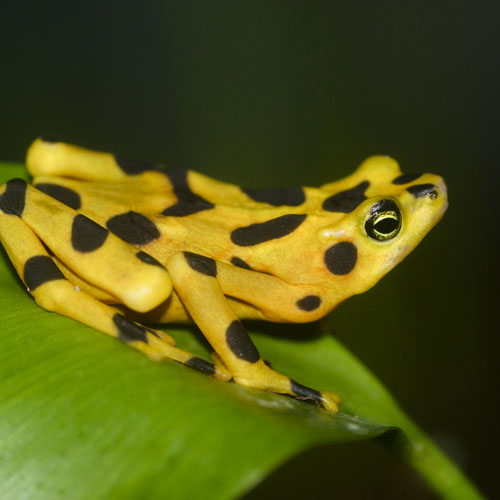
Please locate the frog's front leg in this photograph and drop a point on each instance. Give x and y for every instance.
(195, 280)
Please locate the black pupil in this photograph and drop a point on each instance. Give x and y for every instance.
(386, 225)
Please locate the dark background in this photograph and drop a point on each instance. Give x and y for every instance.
(287, 92)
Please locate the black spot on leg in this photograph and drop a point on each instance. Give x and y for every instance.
(188, 203)
(406, 178)
(289, 196)
(133, 228)
(309, 303)
(87, 235)
(145, 257)
(201, 264)
(236, 261)
(128, 331)
(420, 190)
(255, 234)
(201, 365)
(61, 193)
(133, 167)
(240, 343)
(40, 269)
(303, 392)
(341, 258)
(13, 198)
(346, 201)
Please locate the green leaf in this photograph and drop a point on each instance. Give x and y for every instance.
(84, 416)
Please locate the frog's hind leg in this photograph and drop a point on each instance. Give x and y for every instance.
(54, 158)
(54, 292)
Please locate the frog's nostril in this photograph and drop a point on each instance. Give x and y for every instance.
(420, 190)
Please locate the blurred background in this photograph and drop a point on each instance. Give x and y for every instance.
(285, 92)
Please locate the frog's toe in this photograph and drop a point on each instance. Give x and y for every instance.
(328, 400)
(221, 372)
(165, 337)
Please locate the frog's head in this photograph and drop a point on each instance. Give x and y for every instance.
(382, 216)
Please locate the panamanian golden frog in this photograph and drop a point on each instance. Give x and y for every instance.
(106, 240)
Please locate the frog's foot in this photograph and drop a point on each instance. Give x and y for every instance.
(330, 401)
(260, 376)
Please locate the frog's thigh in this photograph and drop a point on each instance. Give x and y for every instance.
(195, 280)
(90, 250)
(53, 292)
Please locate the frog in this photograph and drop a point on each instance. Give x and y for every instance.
(120, 244)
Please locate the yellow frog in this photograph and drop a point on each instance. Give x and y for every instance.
(115, 243)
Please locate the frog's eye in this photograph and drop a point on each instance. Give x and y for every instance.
(384, 221)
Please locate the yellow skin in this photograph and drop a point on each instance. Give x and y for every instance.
(219, 252)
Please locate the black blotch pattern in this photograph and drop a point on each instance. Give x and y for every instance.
(87, 235)
(188, 203)
(406, 178)
(201, 365)
(341, 257)
(240, 343)
(236, 261)
(133, 228)
(40, 269)
(201, 264)
(346, 201)
(420, 190)
(13, 198)
(290, 196)
(255, 234)
(133, 167)
(61, 193)
(128, 331)
(303, 392)
(145, 257)
(309, 303)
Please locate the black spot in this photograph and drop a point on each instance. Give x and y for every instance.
(40, 269)
(13, 198)
(240, 343)
(346, 201)
(145, 257)
(201, 365)
(420, 190)
(133, 167)
(87, 235)
(133, 228)
(236, 261)
(201, 264)
(60, 193)
(128, 331)
(268, 363)
(265, 231)
(406, 178)
(309, 303)
(341, 257)
(188, 203)
(303, 392)
(290, 196)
